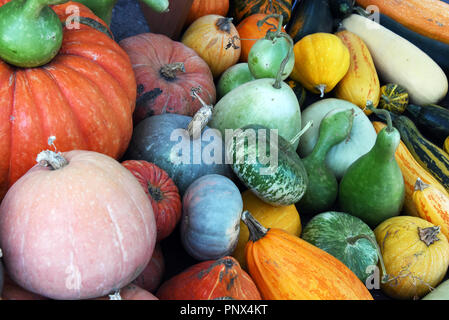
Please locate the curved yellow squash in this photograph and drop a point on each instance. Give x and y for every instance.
(361, 84)
(446, 145)
(411, 171)
(432, 205)
(321, 61)
(416, 256)
(285, 218)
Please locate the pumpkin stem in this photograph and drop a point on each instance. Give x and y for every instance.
(115, 296)
(301, 133)
(353, 240)
(224, 24)
(420, 185)
(168, 71)
(155, 193)
(201, 117)
(321, 88)
(54, 159)
(256, 230)
(429, 235)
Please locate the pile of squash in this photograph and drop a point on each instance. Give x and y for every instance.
(292, 150)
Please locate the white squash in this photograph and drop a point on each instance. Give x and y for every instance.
(340, 157)
(399, 61)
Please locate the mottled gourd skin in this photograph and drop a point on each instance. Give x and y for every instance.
(210, 224)
(330, 231)
(322, 189)
(283, 183)
(151, 142)
(373, 187)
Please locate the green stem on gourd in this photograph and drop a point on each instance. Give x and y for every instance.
(301, 133)
(385, 113)
(277, 83)
(353, 240)
(256, 230)
(33, 8)
(272, 35)
(160, 6)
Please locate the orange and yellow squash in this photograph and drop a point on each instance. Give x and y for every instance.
(321, 61)
(285, 267)
(432, 205)
(240, 9)
(361, 84)
(415, 254)
(286, 218)
(429, 18)
(411, 171)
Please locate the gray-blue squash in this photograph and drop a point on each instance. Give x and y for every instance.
(163, 140)
(210, 223)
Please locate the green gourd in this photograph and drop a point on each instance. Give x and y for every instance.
(373, 187)
(30, 32)
(322, 189)
(233, 77)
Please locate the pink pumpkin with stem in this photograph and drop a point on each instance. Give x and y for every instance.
(76, 226)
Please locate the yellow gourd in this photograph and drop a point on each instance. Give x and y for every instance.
(321, 61)
(286, 218)
(415, 254)
(361, 84)
(432, 205)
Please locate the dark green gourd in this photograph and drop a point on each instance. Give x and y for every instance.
(323, 186)
(30, 32)
(373, 187)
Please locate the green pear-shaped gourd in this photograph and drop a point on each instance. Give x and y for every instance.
(30, 32)
(373, 187)
(322, 189)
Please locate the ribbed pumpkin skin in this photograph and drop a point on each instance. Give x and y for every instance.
(320, 59)
(413, 266)
(210, 280)
(162, 192)
(248, 29)
(286, 218)
(427, 17)
(152, 275)
(157, 93)
(240, 9)
(78, 232)
(210, 37)
(393, 98)
(360, 85)
(85, 97)
(433, 205)
(202, 8)
(411, 170)
(285, 267)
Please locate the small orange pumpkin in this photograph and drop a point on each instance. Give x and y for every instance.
(285, 267)
(201, 8)
(210, 280)
(248, 29)
(215, 39)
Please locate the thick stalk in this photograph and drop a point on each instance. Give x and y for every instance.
(256, 230)
(33, 8)
(385, 114)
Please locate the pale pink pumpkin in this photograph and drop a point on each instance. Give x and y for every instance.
(151, 276)
(131, 292)
(78, 232)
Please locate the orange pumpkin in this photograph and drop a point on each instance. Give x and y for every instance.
(201, 8)
(210, 280)
(244, 8)
(215, 39)
(248, 29)
(285, 267)
(84, 97)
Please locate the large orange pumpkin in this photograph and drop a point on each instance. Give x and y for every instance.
(84, 97)
(285, 267)
(208, 280)
(201, 8)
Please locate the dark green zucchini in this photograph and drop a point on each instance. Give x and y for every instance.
(428, 155)
(310, 16)
(431, 120)
(437, 50)
(341, 8)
